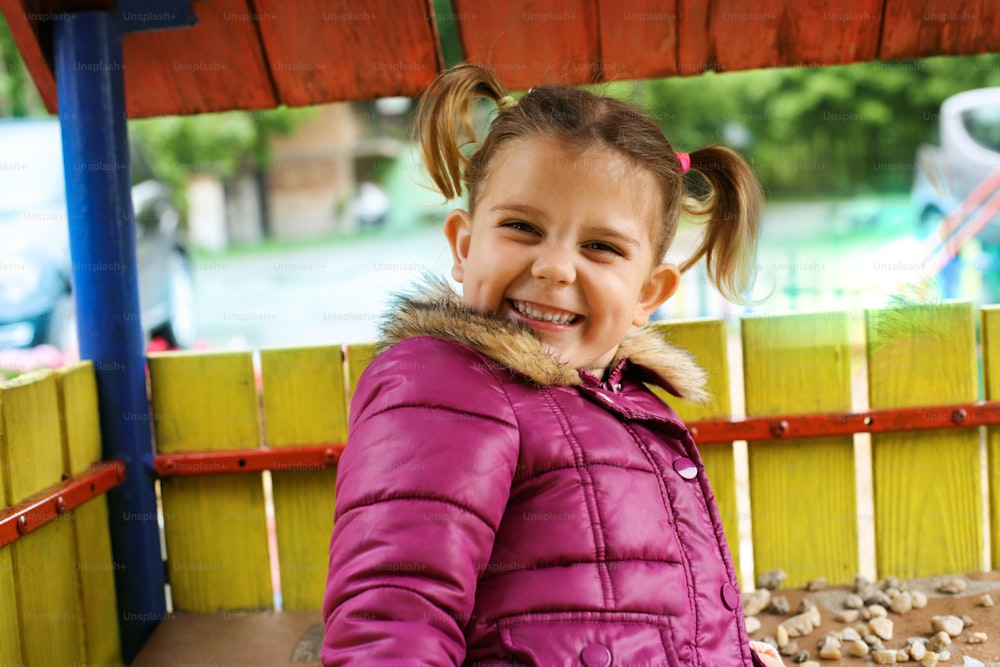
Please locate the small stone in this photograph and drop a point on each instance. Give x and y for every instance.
(873, 641)
(902, 603)
(809, 663)
(753, 624)
(779, 605)
(884, 657)
(916, 649)
(968, 621)
(781, 636)
(816, 585)
(986, 601)
(856, 647)
(847, 615)
(877, 611)
(930, 659)
(802, 657)
(756, 602)
(790, 649)
(799, 625)
(953, 625)
(878, 597)
(830, 649)
(919, 599)
(850, 634)
(868, 591)
(944, 655)
(770, 640)
(772, 579)
(807, 604)
(853, 601)
(902, 655)
(978, 638)
(939, 641)
(860, 581)
(972, 662)
(952, 585)
(882, 627)
(890, 582)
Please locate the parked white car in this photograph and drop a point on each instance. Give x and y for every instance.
(36, 302)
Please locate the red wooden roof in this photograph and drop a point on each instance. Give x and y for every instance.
(253, 54)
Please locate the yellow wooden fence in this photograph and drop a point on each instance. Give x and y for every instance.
(57, 588)
(927, 487)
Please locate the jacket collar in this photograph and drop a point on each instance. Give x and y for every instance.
(434, 309)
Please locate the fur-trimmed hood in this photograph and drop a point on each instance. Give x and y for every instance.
(434, 309)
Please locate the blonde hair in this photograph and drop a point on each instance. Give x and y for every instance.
(727, 201)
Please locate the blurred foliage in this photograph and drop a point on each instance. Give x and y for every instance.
(18, 96)
(840, 131)
(834, 131)
(223, 144)
(451, 46)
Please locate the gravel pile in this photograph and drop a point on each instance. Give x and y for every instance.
(927, 622)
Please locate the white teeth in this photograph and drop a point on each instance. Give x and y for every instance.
(525, 309)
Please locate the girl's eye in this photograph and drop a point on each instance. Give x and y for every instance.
(519, 226)
(603, 247)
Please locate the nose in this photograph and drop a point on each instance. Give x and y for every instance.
(554, 264)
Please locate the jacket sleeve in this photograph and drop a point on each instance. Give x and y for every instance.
(421, 488)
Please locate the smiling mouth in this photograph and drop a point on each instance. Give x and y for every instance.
(544, 314)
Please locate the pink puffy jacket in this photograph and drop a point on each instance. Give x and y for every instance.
(495, 507)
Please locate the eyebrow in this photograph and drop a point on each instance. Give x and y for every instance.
(598, 230)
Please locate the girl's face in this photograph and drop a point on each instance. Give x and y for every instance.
(561, 240)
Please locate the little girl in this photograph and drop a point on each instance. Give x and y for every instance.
(512, 493)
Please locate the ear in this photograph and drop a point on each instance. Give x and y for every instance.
(660, 286)
(458, 230)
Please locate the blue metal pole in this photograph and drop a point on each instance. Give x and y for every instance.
(91, 91)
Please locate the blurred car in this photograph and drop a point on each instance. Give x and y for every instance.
(969, 125)
(36, 302)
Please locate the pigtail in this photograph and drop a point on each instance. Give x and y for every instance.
(444, 122)
(732, 209)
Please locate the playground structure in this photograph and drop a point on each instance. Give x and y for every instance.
(83, 568)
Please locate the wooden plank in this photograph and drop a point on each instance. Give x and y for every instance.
(706, 340)
(747, 34)
(928, 503)
(304, 404)
(990, 345)
(10, 622)
(626, 23)
(94, 561)
(319, 51)
(215, 528)
(802, 492)
(46, 581)
(532, 42)
(359, 355)
(922, 28)
(216, 65)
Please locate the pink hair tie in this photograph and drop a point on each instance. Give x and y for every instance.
(685, 160)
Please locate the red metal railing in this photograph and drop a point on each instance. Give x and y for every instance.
(50, 504)
(779, 427)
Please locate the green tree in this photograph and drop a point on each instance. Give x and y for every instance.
(821, 131)
(18, 96)
(224, 144)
